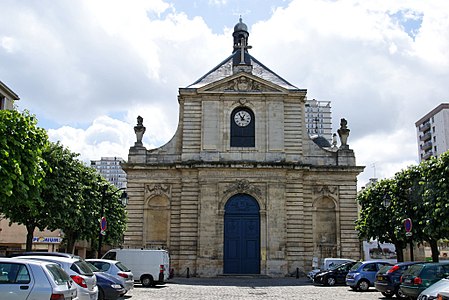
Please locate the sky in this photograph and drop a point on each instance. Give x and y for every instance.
(88, 68)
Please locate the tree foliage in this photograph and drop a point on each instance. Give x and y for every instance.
(21, 172)
(45, 186)
(417, 192)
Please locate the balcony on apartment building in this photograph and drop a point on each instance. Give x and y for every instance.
(425, 126)
(426, 146)
(427, 155)
(426, 136)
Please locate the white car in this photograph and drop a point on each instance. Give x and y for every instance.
(80, 272)
(31, 279)
(116, 269)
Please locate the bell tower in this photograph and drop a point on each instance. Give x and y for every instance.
(241, 60)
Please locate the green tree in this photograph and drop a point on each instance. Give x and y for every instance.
(435, 223)
(21, 172)
(377, 216)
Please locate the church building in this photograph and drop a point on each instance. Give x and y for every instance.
(242, 188)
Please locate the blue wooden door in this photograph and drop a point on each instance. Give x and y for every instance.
(241, 236)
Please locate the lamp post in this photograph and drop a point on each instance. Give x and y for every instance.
(103, 221)
(408, 223)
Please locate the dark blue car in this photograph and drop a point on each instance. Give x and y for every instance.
(109, 287)
(388, 279)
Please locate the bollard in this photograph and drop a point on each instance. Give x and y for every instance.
(188, 272)
(297, 273)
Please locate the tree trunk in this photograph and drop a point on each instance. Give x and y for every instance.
(71, 239)
(30, 234)
(435, 251)
(399, 251)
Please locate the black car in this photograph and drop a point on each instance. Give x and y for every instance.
(335, 275)
(388, 279)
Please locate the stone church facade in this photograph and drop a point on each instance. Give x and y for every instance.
(241, 188)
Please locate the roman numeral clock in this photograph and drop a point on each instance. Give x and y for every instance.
(242, 128)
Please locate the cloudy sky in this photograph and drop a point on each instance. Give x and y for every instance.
(88, 68)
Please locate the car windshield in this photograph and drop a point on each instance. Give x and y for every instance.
(83, 268)
(414, 270)
(336, 266)
(92, 267)
(60, 277)
(122, 267)
(356, 266)
(385, 268)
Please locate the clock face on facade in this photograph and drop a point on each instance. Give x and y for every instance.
(242, 118)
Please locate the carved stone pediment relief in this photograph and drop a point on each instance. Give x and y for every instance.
(157, 189)
(244, 187)
(243, 84)
(326, 190)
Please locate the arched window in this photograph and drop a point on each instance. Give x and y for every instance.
(242, 127)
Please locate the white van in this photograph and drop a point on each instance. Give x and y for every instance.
(150, 267)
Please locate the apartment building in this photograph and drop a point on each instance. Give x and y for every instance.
(318, 118)
(7, 97)
(433, 132)
(110, 168)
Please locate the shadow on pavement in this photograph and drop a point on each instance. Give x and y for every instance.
(241, 281)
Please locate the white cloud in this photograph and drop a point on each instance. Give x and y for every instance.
(383, 64)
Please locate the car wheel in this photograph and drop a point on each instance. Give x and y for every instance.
(330, 281)
(388, 294)
(400, 294)
(100, 294)
(363, 285)
(147, 281)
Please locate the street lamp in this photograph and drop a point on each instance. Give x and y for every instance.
(123, 199)
(387, 200)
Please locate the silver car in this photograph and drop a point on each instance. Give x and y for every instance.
(115, 268)
(80, 272)
(30, 279)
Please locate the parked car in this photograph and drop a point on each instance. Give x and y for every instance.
(80, 272)
(109, 287)
(42, 253)
(443, 296)
(432, 291)
(30, 279)
(150, 267)
(115, 268)
(388, 279)
(335, 275)
(362, 275)
(420, 276)
(327, 263)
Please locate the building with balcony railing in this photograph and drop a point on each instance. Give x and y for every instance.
(111, 169)
(433, 132)
(318, 118)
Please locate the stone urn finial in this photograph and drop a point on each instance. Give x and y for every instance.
(343, 133)
(139, 129)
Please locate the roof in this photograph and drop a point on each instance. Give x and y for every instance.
(432, 113)
(224, 69)
(8, 91)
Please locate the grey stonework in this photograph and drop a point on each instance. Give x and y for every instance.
(306, 194)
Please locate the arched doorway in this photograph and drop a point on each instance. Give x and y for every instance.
(241, 235)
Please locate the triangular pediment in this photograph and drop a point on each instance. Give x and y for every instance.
(242, 83)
